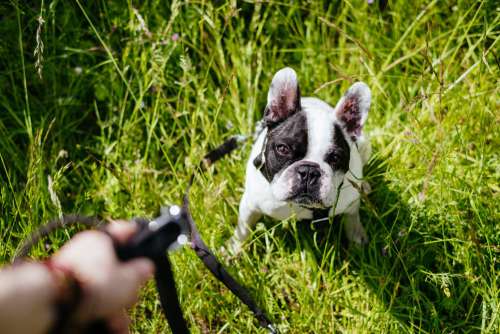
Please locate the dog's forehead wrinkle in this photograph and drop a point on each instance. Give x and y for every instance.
(319, 123)
(292, 127)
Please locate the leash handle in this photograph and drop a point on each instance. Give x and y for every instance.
(154, 238)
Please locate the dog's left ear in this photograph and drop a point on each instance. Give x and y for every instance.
(352, 109)
(283, 98)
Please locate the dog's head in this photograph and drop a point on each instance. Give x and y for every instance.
(310, 146)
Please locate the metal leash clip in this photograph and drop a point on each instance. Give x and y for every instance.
(167, 232)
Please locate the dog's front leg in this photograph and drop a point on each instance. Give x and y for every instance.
(247, 218)
(354, 231)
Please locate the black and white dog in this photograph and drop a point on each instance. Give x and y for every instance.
(309, 156)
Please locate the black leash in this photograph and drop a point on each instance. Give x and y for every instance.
(152, 240)
(165, 285)
(216, 268)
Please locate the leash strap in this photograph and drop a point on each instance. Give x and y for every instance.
(165, 282)
(165, 285)
(218, 270)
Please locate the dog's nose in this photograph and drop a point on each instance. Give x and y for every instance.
(309, 173)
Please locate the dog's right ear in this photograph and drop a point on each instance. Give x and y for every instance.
(352, 109)
(283, 98)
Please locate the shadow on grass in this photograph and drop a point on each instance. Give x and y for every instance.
(408, 268)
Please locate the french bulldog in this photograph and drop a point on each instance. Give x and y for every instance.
(308, 156)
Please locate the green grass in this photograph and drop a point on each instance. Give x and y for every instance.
(123, 113)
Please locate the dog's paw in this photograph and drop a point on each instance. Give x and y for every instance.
(356, 234)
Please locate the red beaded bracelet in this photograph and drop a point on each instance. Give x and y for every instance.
(68, 296)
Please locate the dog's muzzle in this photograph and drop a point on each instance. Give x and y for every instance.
(305, 191)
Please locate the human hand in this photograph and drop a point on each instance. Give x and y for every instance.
(108, 284)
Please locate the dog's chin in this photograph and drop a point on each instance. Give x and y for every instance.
(307, 201)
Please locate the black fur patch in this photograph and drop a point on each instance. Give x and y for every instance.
(339, 155)
(293, 134)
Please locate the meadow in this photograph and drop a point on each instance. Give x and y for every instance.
(107, 107)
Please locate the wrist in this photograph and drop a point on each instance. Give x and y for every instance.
(79, 262)
(26, 289)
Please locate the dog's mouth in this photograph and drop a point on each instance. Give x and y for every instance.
(307, 200)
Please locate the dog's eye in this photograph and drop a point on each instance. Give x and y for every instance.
(334, 158)
(282, 149)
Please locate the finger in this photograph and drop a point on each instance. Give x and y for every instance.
(121, 230)
(139, 269)
(118, 323)
(133, 274)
